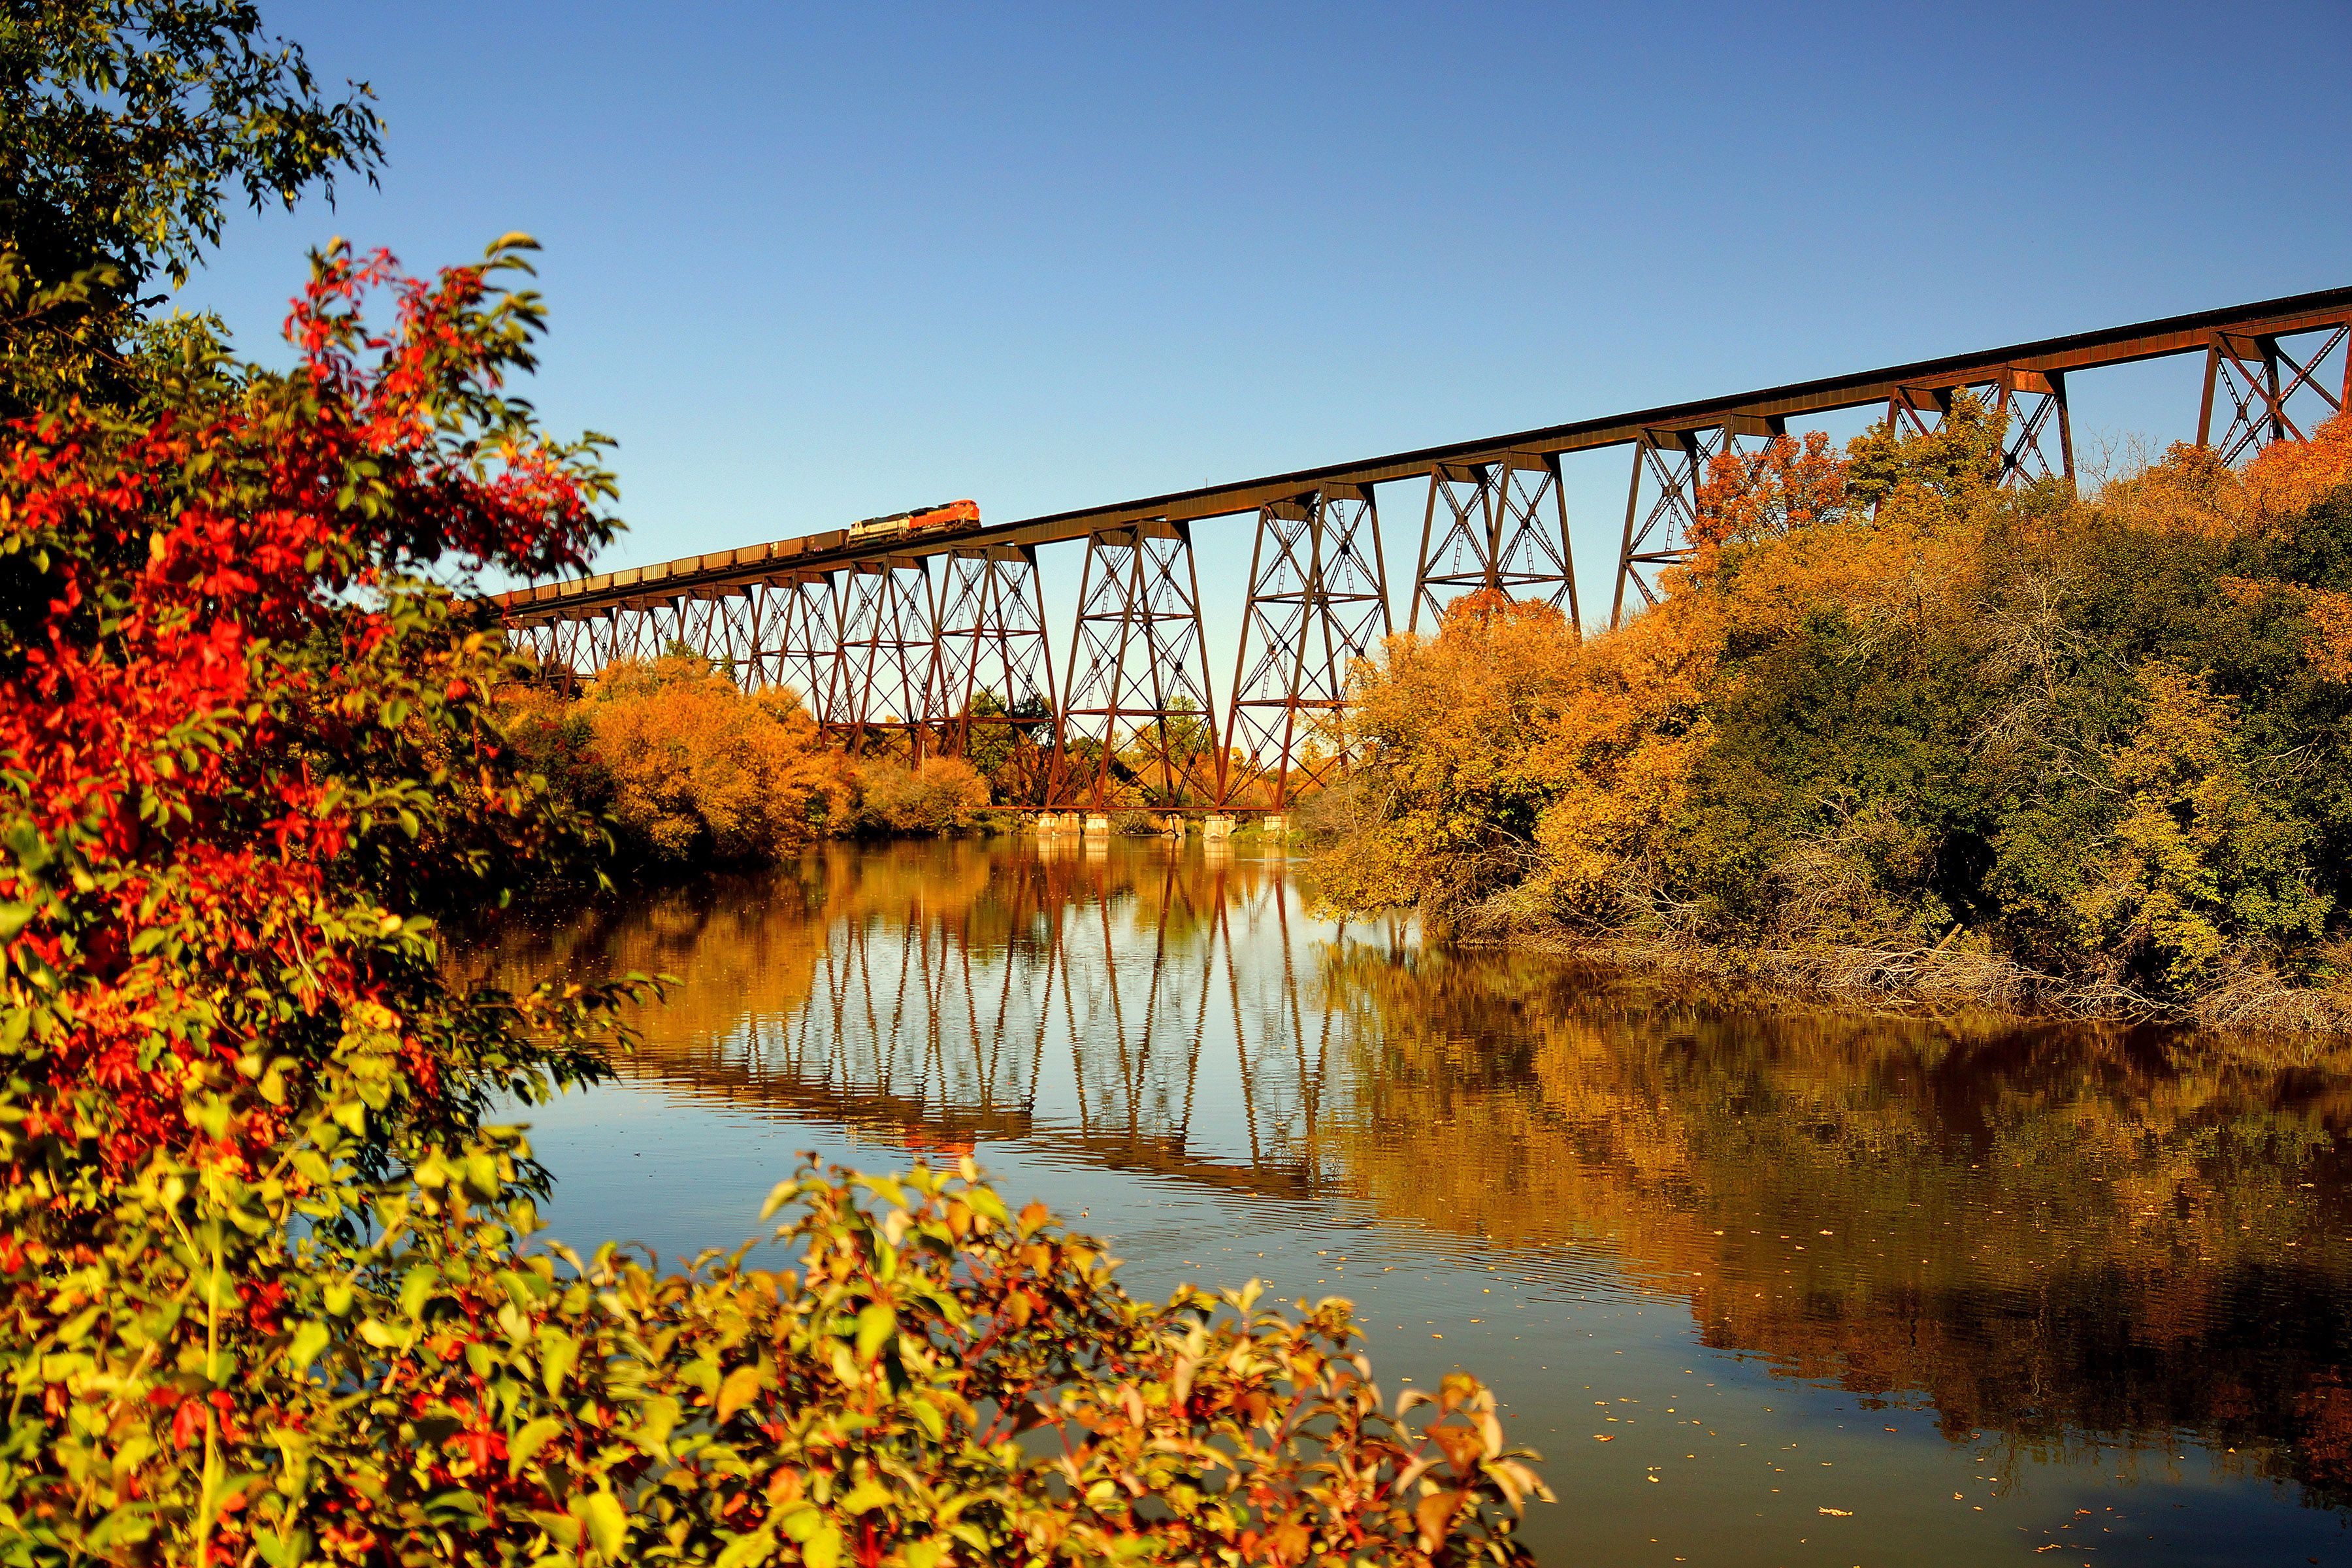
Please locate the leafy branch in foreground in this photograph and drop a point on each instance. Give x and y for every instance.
(268, 1275)
(130, 123)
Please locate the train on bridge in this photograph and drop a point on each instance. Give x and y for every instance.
(922, 519)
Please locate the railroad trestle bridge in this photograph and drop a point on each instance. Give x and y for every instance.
(933, 641)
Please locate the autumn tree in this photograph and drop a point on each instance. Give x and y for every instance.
(694, 769)
(1896, 711)
(1959, 454)
(131, 127)
(1749, 497)
(269, 1272)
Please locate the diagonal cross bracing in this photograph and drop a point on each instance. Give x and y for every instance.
(882, 676)
(1138, 704)
(781, 613)
(1318, 601)
(993, 676)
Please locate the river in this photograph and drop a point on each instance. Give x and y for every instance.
(1991, 1291)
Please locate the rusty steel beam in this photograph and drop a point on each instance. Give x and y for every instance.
(2245, 369)
(804, 622)
(888, 634)
(1496, 538)
(2031, 404)
(2211, 332)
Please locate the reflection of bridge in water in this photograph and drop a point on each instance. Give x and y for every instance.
(1143, 1016)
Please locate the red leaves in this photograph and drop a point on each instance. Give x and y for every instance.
(188, 794)
(261, 1304)
(1749, 496)
(188, 1423)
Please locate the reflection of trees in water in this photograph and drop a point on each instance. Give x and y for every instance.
(2076, 1237)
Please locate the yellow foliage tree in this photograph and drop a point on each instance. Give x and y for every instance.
(1891, 704)
(1509, 759)
(2203, 849)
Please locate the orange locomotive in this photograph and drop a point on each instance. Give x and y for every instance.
(922, 519)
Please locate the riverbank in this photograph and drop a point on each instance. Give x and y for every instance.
(1902, 731)
(1925, 978)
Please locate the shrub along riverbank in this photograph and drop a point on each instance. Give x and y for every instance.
(1897, 729)
(690, 770)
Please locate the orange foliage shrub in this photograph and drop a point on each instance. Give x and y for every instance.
(2330, 648)
(2190, 491)
(1629, 727)
(700, 768)
(1889, 704)
(937, 795)
(1506, 738)
(2288, 477)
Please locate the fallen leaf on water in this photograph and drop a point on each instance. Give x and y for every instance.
(1839, 1513)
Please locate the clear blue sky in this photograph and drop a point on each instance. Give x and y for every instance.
(812, 263)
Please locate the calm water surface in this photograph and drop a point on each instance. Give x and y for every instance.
(2000, 1294)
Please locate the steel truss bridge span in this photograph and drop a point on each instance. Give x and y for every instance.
(897, 637)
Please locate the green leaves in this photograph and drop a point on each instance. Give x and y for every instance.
(878, 1324)
(256, 1234)
(1901, 725)
(607, 1522)
(559, 1353)
(309, 1339)
(747, 1551)
(883, 1421)
(415, 1287)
